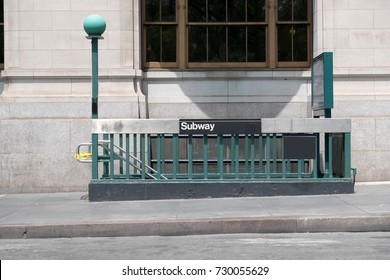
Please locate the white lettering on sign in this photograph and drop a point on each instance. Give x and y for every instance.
(197, 126)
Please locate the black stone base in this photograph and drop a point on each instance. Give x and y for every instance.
(105, 191)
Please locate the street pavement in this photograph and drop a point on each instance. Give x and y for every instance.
(57, 215)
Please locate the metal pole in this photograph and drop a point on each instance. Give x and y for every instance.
(94, 26)
(95, 72)
(95, 115)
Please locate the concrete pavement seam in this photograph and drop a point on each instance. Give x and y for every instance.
(351, 205)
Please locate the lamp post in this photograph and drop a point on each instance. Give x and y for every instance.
(94, 26)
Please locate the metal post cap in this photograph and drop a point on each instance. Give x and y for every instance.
(94, 25)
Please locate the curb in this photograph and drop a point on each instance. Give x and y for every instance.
(198, 227)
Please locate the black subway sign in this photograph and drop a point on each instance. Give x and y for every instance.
(219, 126)
(299, 146)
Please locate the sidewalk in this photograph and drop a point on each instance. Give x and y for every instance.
(71, 215)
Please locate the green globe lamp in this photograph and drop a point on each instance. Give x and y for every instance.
(94, 26)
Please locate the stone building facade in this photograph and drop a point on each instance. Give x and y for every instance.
(46, 98)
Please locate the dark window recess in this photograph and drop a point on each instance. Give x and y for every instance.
(197, 39)
(160, 25)
(197, 11)
(217, 48)
(256, 10)
(256, 44)
(292, 10)
(293, 30)
(216, 11)
(292, 43)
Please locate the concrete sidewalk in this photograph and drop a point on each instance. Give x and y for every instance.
(71, 215)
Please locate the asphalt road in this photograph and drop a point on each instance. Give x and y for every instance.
(309, 246)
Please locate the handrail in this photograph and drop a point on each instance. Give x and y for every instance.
(132, 157)
(80, 158)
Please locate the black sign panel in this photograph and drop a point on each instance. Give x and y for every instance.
(299, 147)
(218, 126)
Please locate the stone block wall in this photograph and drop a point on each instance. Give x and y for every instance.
(45, 105)
(358, 33)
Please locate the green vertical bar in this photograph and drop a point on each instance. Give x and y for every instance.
(127, 156)
(347, 155)
(112, 158)
(317, 157)
(283, 160)
(95, 115)
(232, 156)
(246, 153)
(142, 151)
(330, 155)
(261, 153)
(158, 150)
(327, 153)
(95, 151)
(220, 155)
(105, 153)
(190, 156)
(135, 150)
(175, 155)
(252, 156)
(158, 140)
(95, 78)
(288, 167)
(149, 149)
(268, 156)
(237, 155)
(300, 168)
(205, 156)
(274, 154)
(121, 154)
(163, 154)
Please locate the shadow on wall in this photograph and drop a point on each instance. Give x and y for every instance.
(227, 94)
(1, 86)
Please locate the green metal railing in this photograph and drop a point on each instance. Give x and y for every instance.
(223, 157)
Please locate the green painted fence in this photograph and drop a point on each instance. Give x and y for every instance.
(253, 157)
